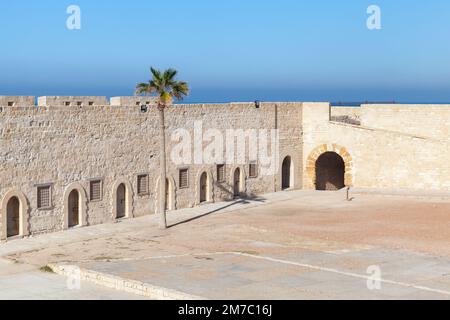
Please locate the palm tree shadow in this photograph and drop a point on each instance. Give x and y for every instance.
(244, 199)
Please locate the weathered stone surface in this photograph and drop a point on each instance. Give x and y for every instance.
(64, 147)
(133, 101)
(13, 101)
(71, 101)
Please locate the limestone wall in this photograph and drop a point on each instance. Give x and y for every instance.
(378, 159)
(14, 101)
(132, 101)
(72, 101)
(67, 147)
(432, 121)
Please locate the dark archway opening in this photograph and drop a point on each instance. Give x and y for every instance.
(237, 183)
(286, 182)
(203, 187)
(330, 172)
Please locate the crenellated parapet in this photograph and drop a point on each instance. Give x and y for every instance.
(72, 101)
(133, 101)
(14, 101)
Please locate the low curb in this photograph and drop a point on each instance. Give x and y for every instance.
(121, 284)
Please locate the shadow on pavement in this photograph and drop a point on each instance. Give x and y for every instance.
(243, 201)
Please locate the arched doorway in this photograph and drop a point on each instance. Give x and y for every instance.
(169, 195)
(287, 177)
(204, 187)
(74, 208)
(13, 217)
(237, 183)
(330, 172)
(121, 201)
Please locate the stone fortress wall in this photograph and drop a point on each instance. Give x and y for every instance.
(379, 154)
(430, 121)
(65, 148)
(67, 144)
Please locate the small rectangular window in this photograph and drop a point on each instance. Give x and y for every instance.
(138, 103)
(221, 173)
(44, 197)
(142, 183)
(95, 190)
(79, 103)
(253, 170)
(184, 178)
(91, 103)
(10, 104)
(67, 103)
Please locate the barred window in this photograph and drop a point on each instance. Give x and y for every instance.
(142, 183)
(43, 197)
(253, 170)
(221, 173)
(184, 178)
(95, 190)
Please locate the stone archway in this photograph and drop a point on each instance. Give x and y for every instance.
(171, 194)
(204, 187)
(287, 173)
(122, 199)
(14, 213)
(238, 176)
(330, 172)
(237, 182)
(75, 206)
(13, 217)
(311, 174)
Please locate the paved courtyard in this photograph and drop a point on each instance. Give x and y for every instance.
(289, 245)
(26, 282)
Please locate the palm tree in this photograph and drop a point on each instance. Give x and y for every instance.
(167, 88)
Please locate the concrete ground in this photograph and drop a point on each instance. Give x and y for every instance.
(289, 245)
(26, 282)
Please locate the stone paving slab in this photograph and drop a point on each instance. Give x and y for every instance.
(237, 276)
(174, 218)
(293, 245)
(22, 282)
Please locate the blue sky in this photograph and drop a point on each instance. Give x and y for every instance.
(230, 50)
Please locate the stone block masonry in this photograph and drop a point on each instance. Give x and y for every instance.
(12, 101)
(71, 101)
(102, 162)
(77, 161)
(133, 101)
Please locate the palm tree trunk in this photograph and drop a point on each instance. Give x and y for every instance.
(162, 177)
